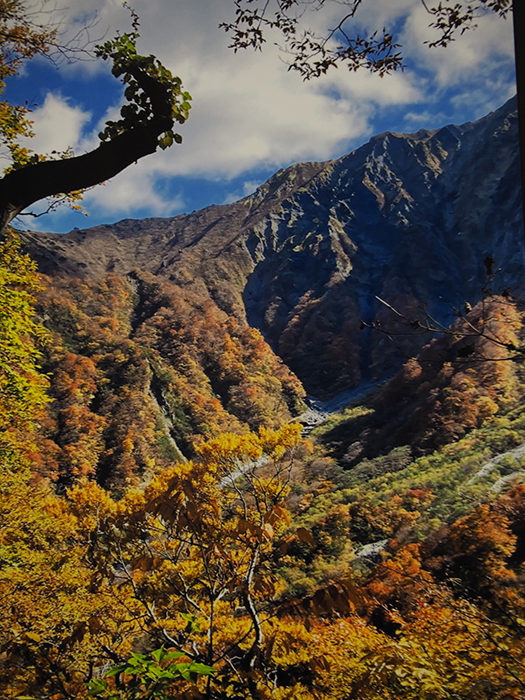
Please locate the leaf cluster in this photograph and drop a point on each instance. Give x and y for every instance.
(152, 92)
(146, 676)
(460, 16)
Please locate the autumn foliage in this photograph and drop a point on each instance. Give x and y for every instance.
(141, 371)
(165, 532)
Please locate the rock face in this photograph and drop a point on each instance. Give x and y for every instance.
(407, 218)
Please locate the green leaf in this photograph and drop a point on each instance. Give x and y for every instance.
(201, 669)
(174, 655)
(158, 654)
(97, 686)
(115, 670)
(166, 141)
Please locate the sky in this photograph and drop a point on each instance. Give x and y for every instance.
(250, 115)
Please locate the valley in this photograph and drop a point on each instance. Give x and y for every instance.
(305, 257)
(237, 434)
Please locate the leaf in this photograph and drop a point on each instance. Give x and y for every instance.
(115, 670)
(174, 655)
(304, 535)
(97, 686)
(165, 142)
(268, 531)
(33, 636)
(77, 636)
(319, 663)
(158, 654)
(202, 669)
(145, 563)
(94, 624)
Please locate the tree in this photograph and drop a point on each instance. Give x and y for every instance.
(41, 588)
(22, 387)
(155, 101)
(190, 555)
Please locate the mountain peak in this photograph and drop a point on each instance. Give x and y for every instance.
(407, 218)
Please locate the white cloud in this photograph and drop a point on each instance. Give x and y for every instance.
(132, 190)
(472, 56)
(249, 187)
(57, 125)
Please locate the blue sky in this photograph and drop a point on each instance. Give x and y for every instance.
(251, 116)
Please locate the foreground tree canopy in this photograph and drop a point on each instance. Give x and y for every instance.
(190, 584)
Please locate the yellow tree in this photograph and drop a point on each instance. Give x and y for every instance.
(190, 555)
(43, 583)
(22, 387)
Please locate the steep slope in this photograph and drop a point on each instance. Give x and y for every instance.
(141, 371)
(407, 218)
(455, 384)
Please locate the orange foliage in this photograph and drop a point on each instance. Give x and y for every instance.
(456, 383)
(142, 371)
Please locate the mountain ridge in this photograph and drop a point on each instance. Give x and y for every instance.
(407, 218)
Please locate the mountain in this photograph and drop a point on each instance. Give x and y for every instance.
(408, 218)
(383, 556)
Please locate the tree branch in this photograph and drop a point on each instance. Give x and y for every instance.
(21, 188)
(155, 102)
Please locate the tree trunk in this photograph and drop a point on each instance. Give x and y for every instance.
(518, 7)
(21, 188)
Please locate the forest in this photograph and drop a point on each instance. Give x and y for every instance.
(169, 526)
(167, 532)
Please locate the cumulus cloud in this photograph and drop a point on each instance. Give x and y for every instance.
(475, 70)
(57, 125)
(132, 191)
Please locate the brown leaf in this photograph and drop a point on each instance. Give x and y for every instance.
(145, 563)
(319, 663)
(304, 535)
(77, 636)
(94, 624)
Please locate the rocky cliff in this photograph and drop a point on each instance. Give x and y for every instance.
(408, 218)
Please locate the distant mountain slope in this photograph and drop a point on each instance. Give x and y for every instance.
(141, 371)
(408, 218)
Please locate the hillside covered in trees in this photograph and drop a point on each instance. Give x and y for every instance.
(168, 529)
(407, 219)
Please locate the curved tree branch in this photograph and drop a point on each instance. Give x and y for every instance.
(21, 188)
(155, 102)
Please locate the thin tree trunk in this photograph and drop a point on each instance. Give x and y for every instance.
(518, 7)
